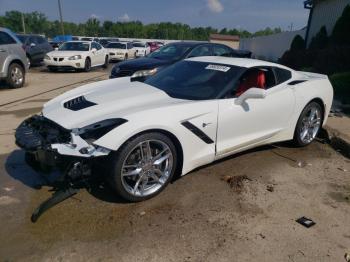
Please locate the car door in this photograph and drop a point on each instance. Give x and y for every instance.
(34, 49)
(5, 40)
(256, 120)
(100, 54)
(95, 59)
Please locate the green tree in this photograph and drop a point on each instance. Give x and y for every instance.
(341, 35)
(298, 43)
(320, 40)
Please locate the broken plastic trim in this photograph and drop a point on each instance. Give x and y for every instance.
(97, 130)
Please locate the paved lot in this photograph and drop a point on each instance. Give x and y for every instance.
(199, 217)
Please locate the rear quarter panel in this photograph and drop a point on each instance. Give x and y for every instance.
(313, 88)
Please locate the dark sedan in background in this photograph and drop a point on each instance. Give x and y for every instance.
(35, 47)
(140, 69)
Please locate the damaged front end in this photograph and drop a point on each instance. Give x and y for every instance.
(50, 146)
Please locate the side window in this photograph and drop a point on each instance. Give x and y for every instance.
(200, 51)
(40, 40)
(221, 50)
(282, 75)
(6, 39)
(32, 40)
(258, 77)
(98, 46)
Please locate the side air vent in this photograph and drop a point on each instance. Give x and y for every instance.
(296, 82)
(78, 103)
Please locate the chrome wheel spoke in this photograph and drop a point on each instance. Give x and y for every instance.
(147, 168)
(134, 172)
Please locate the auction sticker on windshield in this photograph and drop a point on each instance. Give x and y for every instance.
(218, 68)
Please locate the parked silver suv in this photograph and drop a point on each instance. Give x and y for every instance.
(13, 60)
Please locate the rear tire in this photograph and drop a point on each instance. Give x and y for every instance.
(308, 125)
(153, 171)
(87, 66)
(15, 76)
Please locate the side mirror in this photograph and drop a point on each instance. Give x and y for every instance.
(56, 48)
(93, 50)
(32, 44)
(251, 93)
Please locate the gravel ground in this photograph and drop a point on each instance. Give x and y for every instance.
(242, 208)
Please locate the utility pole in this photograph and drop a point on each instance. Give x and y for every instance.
(23, 24)
(60, 10)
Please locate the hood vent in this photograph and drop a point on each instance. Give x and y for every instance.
(78, 103)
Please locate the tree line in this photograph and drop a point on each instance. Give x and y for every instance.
(38, 23)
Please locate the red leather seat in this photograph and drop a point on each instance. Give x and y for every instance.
(253, 79)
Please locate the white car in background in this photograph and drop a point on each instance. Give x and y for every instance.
(77, 55)
(121, 50)
(142, 49)
(189, 114)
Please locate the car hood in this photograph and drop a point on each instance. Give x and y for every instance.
(65, 53)
(143, 63)
(116, 98)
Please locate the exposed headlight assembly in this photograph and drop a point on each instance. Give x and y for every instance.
(95, 131)
(75, 57)
(144, 73)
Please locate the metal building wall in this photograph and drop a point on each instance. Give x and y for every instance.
(326, 12)
(271, 47)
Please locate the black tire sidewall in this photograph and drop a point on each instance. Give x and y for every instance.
(118, 158)
(105, 65)
(9, 79)
(297, 141)
(86, 67)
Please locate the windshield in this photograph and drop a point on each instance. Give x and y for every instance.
(139, 44)
(22, 38)
(195, 80)
(74, 46)
(116, 45)
(170, 52)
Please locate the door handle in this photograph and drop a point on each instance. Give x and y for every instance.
(204, 125)
(2, 50)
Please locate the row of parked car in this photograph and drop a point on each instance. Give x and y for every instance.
(18, 52)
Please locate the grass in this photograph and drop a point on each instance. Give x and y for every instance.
(341, 85)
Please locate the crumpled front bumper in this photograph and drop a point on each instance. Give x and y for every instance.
(49, 143)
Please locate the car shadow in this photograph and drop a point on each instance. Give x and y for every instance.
(17, 168)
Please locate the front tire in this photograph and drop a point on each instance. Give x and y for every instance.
(309, 124)
(87, 66)
(15, 76)
(105, 65)
(143, 167)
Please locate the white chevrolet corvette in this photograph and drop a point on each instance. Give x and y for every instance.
(190, 114)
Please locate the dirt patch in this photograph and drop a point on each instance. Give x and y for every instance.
(236, 182)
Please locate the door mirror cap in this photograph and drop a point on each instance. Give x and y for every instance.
(93, 49)
(251, 93)
(56, 48)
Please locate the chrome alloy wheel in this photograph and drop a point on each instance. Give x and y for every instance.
(311, 124)
(17, 75)
(147, 168)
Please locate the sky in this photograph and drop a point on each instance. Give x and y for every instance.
(251, 15)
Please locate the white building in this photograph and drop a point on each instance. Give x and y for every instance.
(323, 13)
